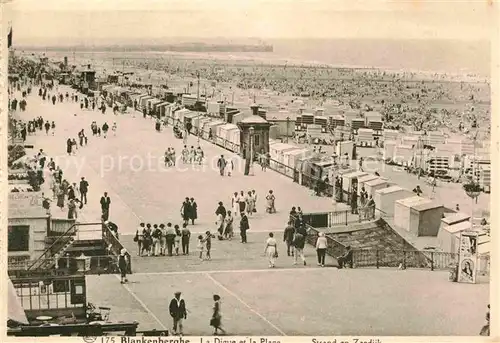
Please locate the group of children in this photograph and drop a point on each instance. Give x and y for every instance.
(163, 240)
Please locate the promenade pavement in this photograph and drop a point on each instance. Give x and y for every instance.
(130, 168)
(288, 300)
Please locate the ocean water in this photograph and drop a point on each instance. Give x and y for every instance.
(443, 56)
(448, 56)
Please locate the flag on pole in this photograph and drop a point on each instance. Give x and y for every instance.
(9, 38)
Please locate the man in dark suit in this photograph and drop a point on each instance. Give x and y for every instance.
(178, 312)
(84, 187)
(105, 202)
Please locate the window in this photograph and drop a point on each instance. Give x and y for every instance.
(19, 238)
(257, 137)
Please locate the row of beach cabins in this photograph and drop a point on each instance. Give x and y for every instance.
(431, 151)
(419, 216)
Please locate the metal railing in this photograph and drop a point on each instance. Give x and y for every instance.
(334, 247)
(62, 241)
(281, 168)
(114, 246)
(389, 258)
(340, 217)
(102, 264)
(404, 259)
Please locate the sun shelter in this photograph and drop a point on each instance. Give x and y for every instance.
(385, 199)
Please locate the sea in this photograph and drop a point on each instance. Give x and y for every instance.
(454, 57)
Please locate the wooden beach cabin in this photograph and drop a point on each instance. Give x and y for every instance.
(419, 216)
(404, 155)
(348, 181)
(385, 198)
(374, 185)
(222, 133)
(447, 236)
(233, 139)
(389, 151)
(291, 158)
(344, 147)
(201, 123)
(211, 127)
(364, 179)
(365, 138)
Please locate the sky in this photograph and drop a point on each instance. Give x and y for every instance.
(119, 21)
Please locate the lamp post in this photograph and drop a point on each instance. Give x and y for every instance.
(287, 127)
(251, 132)
(334, 180)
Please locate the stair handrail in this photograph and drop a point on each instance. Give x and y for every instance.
(59, 238)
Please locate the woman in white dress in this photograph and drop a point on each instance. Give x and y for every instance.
(235, 204)
(271, 250)
(250, 203)
(229, 167)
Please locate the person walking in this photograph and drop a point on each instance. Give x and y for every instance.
(177, 239)
(186, 235)
(170, 238)
(270, 202)
(147, 240)
(186, 210)
(271, 250)
(156, 240)
(243, 202)
(288, 238)
(216, 320)
(299, 241)
(249, 203)
(139, 238)
(178, 312)
(321, 245)
(123, 265)
(208, 245)
(69, 146)
(244, 227)
(105, 202)
(228, 226)
(105, 129)
(163, 239)
(193, 210)
(221, 164)
(84, 188)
